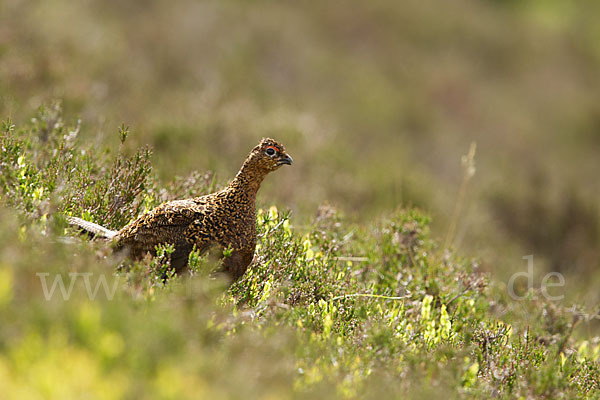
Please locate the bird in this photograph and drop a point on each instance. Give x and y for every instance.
(226, 218)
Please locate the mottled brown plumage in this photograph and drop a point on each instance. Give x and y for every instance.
(226, 218)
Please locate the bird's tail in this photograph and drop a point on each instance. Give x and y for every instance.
(91, 228)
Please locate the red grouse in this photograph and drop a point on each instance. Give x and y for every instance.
(226, 218)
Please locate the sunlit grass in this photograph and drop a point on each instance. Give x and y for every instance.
(332, 309)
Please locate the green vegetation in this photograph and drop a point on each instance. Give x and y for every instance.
(384, 268)
(332, 309)
(378, 99)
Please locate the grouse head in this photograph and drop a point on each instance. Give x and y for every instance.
(269, 155)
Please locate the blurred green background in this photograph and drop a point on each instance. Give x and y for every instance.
(377, 101)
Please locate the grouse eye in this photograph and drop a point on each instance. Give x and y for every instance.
(271, 151)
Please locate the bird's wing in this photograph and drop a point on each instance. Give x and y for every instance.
(166, 223)
(173, 213)
(199, 232)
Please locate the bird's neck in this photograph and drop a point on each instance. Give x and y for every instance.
(248, 180)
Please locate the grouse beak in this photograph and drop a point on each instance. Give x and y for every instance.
(285, 160)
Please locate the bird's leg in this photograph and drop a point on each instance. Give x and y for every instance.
(236, 263)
